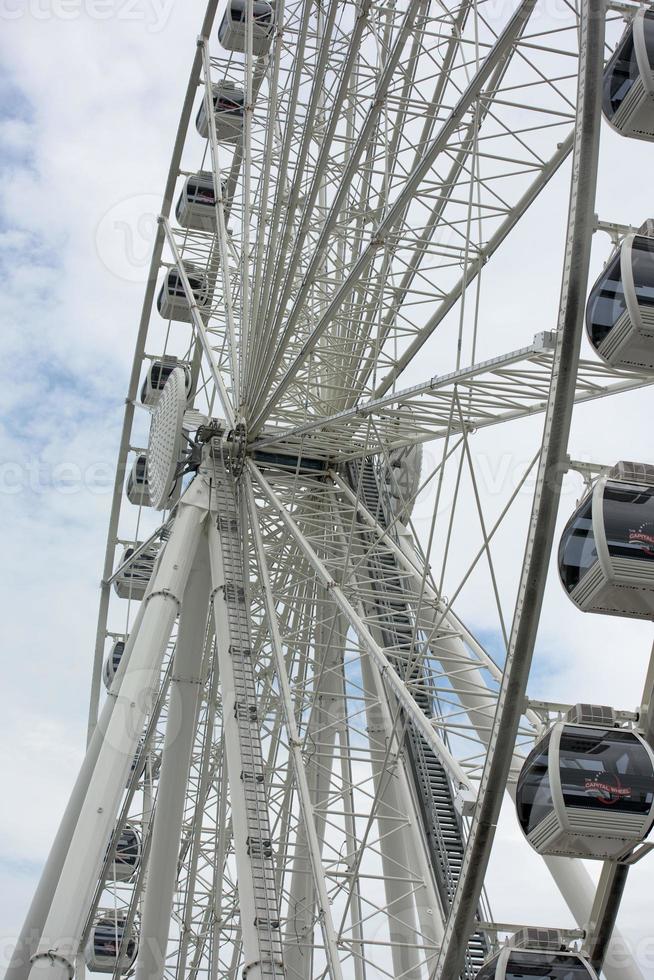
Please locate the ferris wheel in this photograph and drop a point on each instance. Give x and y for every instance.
(298, 747)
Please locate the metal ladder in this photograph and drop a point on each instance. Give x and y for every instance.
(259, 840)
(442, 824)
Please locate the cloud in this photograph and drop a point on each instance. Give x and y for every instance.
(91, 97)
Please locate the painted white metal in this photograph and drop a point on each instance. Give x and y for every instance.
(403, 695)
(258, 902)
(165, 442)
(304, 793)
(317, 281)
(185, 690)
(546, 498)
(59, 943)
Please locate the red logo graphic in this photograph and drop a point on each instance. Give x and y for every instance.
(606, 792)
(644, 537)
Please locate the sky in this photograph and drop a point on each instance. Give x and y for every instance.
(90, 93)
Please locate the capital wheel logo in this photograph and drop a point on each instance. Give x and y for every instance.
(606, 788)
(643, 538)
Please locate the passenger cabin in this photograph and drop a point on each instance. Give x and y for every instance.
(137, 482)
(108, 949)
(620, 309)
(172, 302)
(229, 109)
(606, 553)
(112, 663)
(157, 374)
(128, 855)
(132, 581)
(232, 30)
(628, 88)
(538, 954)
(196, 205)
(587, 788)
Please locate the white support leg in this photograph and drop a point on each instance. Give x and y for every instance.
(59, 944)
(185, 692)
(321, 736)
(27, 942)
(402, 848)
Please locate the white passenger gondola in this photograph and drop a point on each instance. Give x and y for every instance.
(196, 205)
(229, 109)
(157, 374)
(587, 788)
(606, 554)
(172, 302)
(137, 482)
(133, 580)
(231, 32)
(112, 662)
(103, 947)
(620, 309)
(127, 858)
(538, 954)
(628, 89)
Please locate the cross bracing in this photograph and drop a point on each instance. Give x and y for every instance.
(340, 307)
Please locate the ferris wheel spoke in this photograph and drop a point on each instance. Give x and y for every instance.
(462, 659)
(474, 268)
(245, 270)
(223, 257)
(199, 325)
(403, 695)
(264, 242)
(287, 195)
(504, 43)
(279, 338)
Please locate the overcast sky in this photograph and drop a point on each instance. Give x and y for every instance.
(89, 102)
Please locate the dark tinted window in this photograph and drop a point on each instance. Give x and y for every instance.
(620, 75)
(262, 13)
(606, 302)
(629, 521)
(200, 193)
(534, 796)
(545, 966)
(127, 848)
(649, 37)
(117, 654)
(605, 768)
(165, 372)
(487, 972)
(175, 287)
(577, 552)
(229, 104)
(642, 263)
(108, 936)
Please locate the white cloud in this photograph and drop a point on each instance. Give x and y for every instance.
(87, 144)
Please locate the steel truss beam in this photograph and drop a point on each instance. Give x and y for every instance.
(501, 389)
